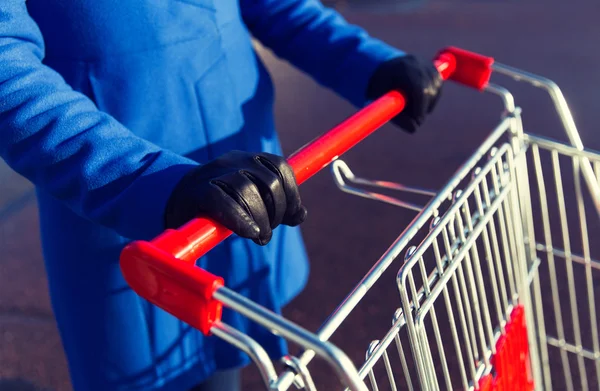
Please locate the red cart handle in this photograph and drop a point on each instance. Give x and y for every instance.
(155, 269)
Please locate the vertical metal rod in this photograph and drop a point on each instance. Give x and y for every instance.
(397, 315)
(480, 287)
(550, 256)
(427, 360)
(298, 367)
(505, 232)
(496, 277)
(522, 265)
(477, 303)
(524, 196)
(588, 261)
(436, 328)
(390, 372)
(453, 328)
(569, 260)
(461, 311)
(250, 347)
(372, 347)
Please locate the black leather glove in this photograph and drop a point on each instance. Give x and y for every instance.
(248, 193)
(418, 80)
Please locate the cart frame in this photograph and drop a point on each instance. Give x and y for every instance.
(493, 208)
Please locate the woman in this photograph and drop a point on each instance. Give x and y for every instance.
(125, 115)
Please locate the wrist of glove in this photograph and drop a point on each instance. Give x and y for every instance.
(249, 194)
(419, 82)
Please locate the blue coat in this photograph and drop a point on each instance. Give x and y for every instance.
(104, 105)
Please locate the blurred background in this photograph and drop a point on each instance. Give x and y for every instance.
(345, 235)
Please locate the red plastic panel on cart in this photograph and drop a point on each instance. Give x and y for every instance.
(486, 383)
(511, 360)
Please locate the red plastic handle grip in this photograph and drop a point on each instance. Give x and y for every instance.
(154, 269)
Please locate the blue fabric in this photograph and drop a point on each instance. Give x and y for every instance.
(104, 105)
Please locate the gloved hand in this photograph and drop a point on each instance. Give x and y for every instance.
(419, 82)
(248, 193)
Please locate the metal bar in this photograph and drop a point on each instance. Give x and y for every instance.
(505, 231)
(552, 268)
(475, 292)
(461, 312)
(413, 338)
(436, 329)
(342, 173)
(250, 347)
(592, 263)
(570, 278)
(372, 346)
(427, 374)
(430, 368)
(465, 296)
(555, 93)
(295, 365)
(522, 173)
(338, 360)
(511, 222)
(425, 340)
(457, 260)
(533, 271)
(373, 381)
(504, 94)
(588, 264)
(518, 219)
(453, 328)
(390, 372)
(551, 144)
(478, 273)
(403, 362)
(579, 351)
(541, 371)
(451, 212)
(450, 273)
(522, 178)
(566, 118)
(382, 345)
(493, 257)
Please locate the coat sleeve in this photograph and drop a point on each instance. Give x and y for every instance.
(318, 41)
(58, 139)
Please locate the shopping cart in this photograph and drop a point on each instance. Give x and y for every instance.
(487, 299)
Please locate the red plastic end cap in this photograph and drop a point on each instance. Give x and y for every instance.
(472, 69)
(182, 289)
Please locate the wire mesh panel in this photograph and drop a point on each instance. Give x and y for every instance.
(513, 249)
(502, 289)
(563, 239)
(460, 285)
